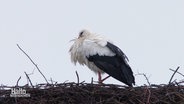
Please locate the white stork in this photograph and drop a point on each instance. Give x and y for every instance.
(101, 55)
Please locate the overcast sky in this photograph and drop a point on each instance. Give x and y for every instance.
(149, 32)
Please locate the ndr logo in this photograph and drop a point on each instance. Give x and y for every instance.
(19, 92)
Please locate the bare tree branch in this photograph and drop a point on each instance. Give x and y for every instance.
(173, 75)
(33, 62)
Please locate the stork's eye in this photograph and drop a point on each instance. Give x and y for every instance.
(81, 34)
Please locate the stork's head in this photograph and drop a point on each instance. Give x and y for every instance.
(84, 34)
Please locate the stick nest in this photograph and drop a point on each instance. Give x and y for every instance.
(85, 93)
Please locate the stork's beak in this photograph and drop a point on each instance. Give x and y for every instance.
(72, 40)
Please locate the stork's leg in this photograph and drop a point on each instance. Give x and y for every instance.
(100, 80)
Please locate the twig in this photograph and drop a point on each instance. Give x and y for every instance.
(92, 80)
(77, 77)
(31, 72)
(18, 81)
(66, 81)
(177, 72)
(51, 81)
(145, 77)
(149, 95)
(33, 63)
(105, 78)
(29, 79)
(173, 75)
(15, 100)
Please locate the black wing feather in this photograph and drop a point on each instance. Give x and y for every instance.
(116, 66)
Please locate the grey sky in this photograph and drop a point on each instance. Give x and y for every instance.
(150, 33)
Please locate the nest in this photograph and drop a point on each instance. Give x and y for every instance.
(85, 93)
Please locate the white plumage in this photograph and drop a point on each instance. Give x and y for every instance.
(87, 45)
(100, 55)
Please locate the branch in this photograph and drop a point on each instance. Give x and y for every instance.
(31, 72)
(18, 81)
(149, 95)
(29, 79)
(145, 77)
(173, 75)
(92, 80)
(77, 77)
(33, 62)
(177, 72)
(51, 81)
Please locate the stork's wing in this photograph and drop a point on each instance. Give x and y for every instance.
(117, 51)
(116, 66)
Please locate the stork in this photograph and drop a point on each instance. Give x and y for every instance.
(101, 56)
